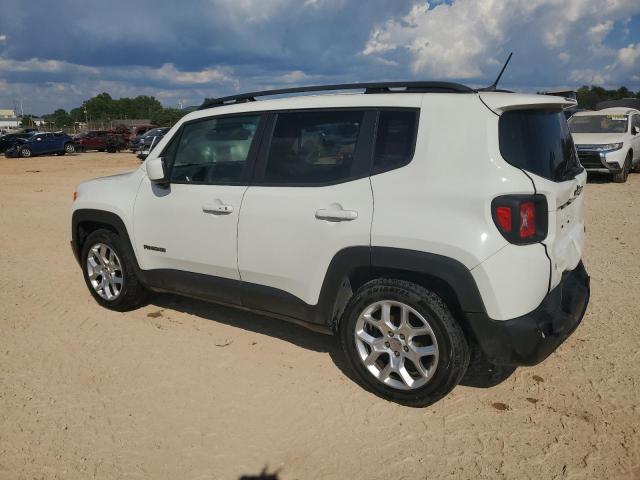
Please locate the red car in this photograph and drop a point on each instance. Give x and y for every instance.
(92, 140)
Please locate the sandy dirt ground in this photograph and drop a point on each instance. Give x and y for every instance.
(187, 390)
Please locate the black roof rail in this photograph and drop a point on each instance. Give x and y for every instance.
(376, 87)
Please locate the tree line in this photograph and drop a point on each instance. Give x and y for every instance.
(103, 108)
(588, 97)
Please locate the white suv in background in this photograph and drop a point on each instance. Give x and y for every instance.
(424, 223)
(608, 140)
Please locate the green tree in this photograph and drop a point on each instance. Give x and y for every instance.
(59, 119)
(167, 117)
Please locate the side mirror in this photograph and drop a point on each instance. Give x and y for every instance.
(156, 170)
(39, 139)
(635, 130)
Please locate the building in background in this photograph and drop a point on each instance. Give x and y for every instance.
(8, 119)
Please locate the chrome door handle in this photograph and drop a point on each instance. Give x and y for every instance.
(217, 209)
(336, 215)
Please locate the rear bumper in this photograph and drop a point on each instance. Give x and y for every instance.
(529, 339)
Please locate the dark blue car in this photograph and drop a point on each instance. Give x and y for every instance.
(41, 143)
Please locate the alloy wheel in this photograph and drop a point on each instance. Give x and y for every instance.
(396, 344)
(105, 271)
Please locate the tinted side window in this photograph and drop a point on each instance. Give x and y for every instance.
(313, 147)
(395, 139)
(214, 150)
(540, 142)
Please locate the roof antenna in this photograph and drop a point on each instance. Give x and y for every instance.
(494, 85)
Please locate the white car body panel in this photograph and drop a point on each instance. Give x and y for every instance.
(282, 244)
(195, 239)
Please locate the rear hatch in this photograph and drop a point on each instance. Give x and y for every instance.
(535, 137)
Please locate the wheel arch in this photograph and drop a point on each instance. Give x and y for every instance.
(86, 221)
(445, 276)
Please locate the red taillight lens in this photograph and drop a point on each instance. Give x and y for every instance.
(527, 220)
(503, 216)
(521, 219)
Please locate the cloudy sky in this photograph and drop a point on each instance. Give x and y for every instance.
(57, 54)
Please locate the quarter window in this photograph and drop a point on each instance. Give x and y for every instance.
(214, 151)
(313, 147)
(395, 139)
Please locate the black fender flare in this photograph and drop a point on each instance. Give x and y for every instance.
(366, 262)
(94, 216)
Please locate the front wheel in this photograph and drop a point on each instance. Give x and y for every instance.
(25, 152)
(624, 173)
(109, 272)
(69, 148)
(402, 342)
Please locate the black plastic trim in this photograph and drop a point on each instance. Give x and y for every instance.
(450, 271)
(375, 87)
(92, 216)
(529, 339)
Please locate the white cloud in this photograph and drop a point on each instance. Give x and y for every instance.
(167, 73)
(3, 38)
(170, 73)
(468, 38)
(630, 56)
(295, 76)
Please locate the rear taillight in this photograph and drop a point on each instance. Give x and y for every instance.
(521, 219)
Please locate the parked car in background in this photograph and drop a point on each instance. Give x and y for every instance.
(100, 140)
(139, 130)
(608, 140)
(42, 143)
(8, 140)
(143, 142)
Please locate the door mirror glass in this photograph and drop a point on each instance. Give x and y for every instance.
(635, 130)
(156, 170)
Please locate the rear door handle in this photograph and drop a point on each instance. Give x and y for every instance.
(336, 215)
(217, 208)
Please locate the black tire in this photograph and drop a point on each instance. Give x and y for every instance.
(133, 294)
(60, 153)
(624, 174)
(25, 152)
(635, 169)
(452, 344)
(69, 148)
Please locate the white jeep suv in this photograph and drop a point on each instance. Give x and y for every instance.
(608, 140)
(425, 223)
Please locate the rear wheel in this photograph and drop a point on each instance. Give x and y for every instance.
(25, 152)
(622, 176)
(69, 148)
(402, 342)
(109, 272)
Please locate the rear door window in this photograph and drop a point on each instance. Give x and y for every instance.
(539, 141)
(313, 147)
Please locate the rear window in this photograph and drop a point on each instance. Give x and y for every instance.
(539, 141)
